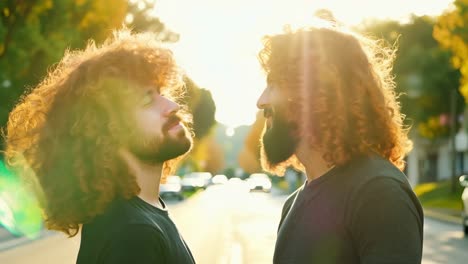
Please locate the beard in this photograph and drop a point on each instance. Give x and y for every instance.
(278, 141)
(161, 149)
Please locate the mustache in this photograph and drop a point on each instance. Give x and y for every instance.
(268, 112)
(172, 120)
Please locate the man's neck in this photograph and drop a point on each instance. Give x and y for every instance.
(313, 162)
(148, 177)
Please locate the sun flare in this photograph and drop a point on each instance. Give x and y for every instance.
(219, 40)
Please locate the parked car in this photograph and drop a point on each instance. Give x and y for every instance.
(219, 179)
(172, 188)
(196, 180)
(464, 182)
(207, 178)
(193, 181)
(260, 182)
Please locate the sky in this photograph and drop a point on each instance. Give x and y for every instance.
(220, 39)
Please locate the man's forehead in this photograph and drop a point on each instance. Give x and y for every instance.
(269, 78)
(141, 88)
(272, 79)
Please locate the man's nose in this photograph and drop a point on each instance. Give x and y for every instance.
(264, 100)
(171, 107)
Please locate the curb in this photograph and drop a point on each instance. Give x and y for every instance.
(442, 217)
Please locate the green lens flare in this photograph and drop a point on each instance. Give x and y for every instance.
(19, 210)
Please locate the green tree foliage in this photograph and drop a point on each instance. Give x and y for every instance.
(202, 106)
(451, 31)
(249, 156)
(423, 74)
(34, 35)
(200, 103)
(203, 114)
(140, 18)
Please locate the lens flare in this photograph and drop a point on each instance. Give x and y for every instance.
(19, 210)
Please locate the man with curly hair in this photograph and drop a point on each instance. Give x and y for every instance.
(98, 135)
(331, 111)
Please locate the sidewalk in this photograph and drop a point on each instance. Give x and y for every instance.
(51, 249)
(11, 241)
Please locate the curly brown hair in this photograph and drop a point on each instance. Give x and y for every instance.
(343, 84)
(65, 132)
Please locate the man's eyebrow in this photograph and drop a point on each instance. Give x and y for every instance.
(158, 89)
(151, 89)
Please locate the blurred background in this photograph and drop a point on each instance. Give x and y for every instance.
(225, 206)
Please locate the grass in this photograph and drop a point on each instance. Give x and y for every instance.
(439, 195)
(283, 185)
(188, 193)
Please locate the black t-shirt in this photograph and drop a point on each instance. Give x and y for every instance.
(133, 231)
(361, 212)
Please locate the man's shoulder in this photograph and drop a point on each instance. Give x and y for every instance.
(122, 215)
(378, 177)
(365, 170)
(291, 198)
(293, 195)
(289, 201)
(369, 172)
(135, 243)
(143, 230)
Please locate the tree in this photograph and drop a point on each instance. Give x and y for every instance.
(207, 155)
(200, 103)
(423, 74)
(140, 18)
(202, 107)
(249, 156)
(34, 35)
(451, 31)
(248, 161)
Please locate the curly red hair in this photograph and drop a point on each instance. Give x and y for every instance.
(65, 132)
(343, 84)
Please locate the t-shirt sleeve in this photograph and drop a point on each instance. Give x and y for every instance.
(138, 244)
(386, 225)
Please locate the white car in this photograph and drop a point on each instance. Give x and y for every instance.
(171, 188)
(259, 181)
(196, 180)
(219, 179)
(464, 182)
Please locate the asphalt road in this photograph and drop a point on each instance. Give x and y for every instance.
(227, 224)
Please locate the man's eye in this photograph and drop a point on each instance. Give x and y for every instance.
(147, 99)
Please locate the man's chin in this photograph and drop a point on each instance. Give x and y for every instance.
(169, 149)
(275, 166)
(176, 148)
(268, 123)
(274, 159)
(277, 148)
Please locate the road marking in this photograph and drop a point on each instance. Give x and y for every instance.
(236, 254)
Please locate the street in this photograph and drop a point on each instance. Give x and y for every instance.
(444, 243)
(226, 224)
